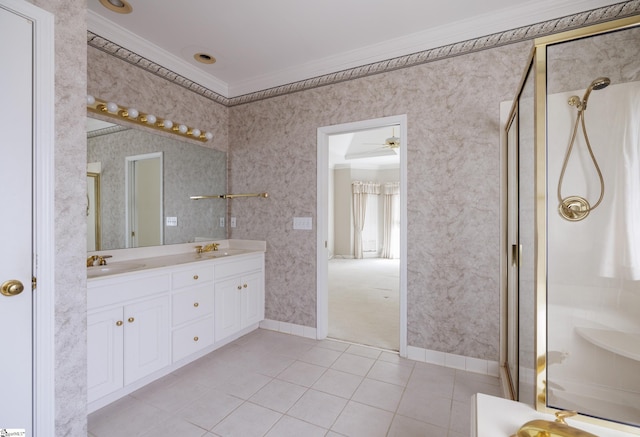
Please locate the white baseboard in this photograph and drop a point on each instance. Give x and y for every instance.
(459, 362)
(289, 328)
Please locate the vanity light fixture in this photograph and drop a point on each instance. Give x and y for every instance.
(114, 110)
(119, 6)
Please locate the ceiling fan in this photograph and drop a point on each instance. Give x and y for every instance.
(392, 142)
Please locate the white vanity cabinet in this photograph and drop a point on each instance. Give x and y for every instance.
(239, 294)
(127, 331)
(192, 309)
(144, 324)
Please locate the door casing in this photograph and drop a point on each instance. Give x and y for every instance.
(322, 266)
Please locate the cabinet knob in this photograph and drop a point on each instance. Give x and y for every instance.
(195, 277)
(195, 339)
(239, 287)
(245, 285)
(119, 323)
(130, 319)
(196, 304)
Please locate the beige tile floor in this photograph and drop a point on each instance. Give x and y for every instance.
(272, 384)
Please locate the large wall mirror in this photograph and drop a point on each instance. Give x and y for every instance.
(131, 205)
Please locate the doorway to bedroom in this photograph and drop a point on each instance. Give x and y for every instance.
(363, 235)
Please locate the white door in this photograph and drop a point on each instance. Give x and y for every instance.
(16, 221)
(144, 200)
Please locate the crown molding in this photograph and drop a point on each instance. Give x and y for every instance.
(460, 46)
(451, 33)
(122, 37)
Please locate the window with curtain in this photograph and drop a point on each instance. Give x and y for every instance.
(370, 242)
(360, 198)
(391, 234)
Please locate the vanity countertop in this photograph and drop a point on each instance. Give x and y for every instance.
(123, 261)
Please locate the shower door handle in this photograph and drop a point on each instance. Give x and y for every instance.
(516, 250)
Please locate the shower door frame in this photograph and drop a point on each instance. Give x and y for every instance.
(538, 61)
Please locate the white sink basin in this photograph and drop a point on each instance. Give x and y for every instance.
(223, 252)
(112, 269)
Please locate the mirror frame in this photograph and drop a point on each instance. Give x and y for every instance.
(94, 180)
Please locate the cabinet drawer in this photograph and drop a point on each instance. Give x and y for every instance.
(120, 289)
(191, 338)
(224, 269)
(192, 303)
(192, 276)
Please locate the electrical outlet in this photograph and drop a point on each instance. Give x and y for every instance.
(222, 222)
(233, 222)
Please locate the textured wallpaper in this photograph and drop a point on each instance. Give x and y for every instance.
(70, 219)
(453, 150)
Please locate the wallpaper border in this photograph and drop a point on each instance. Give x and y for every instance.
(607, 13)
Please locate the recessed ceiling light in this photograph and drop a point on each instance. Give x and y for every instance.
(204, 58)
(119, 6)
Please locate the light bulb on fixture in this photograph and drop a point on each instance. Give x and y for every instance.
(112, 107)
(132, 113)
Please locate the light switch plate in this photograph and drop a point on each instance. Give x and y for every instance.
(233, 222)
(221, 224)
(303, 223)
(172, 221)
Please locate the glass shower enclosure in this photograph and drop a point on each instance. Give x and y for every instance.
(572, 295)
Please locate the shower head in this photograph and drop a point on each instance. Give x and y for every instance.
(598, 84)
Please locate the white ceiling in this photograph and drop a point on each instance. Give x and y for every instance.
(364, 149)
(260, 44)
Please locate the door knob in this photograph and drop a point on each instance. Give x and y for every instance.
(11, 287)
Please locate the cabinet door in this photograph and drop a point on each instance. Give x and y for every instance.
(146, 340)
(227, 307)
(252, 299)
(104, 353)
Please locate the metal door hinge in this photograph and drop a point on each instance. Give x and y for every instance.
(34, 282)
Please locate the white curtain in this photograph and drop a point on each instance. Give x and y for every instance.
(360, 192)
(391, 231)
